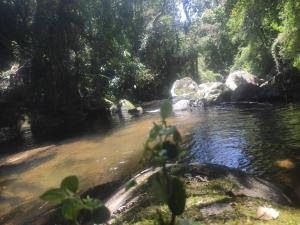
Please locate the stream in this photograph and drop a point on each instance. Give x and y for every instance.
(257, 138)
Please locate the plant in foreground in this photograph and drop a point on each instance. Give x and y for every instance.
(164, 144)
(72, 203)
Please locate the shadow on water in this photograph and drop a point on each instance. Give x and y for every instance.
(258, 138)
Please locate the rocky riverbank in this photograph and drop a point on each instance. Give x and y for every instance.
(216, 195)
(240, 86)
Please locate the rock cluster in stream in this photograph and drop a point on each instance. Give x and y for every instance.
(240, 86)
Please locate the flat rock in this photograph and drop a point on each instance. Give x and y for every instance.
(215, 209)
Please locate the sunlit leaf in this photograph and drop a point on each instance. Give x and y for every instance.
(71, 183)
(53, 196)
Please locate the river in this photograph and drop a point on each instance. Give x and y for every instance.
(258, 138)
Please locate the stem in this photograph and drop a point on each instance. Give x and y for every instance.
(173, 219)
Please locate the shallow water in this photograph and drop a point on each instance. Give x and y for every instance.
(96, 159)
(257, 138)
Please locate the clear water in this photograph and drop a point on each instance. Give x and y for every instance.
(257, 138)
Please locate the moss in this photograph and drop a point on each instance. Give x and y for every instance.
(202, 194)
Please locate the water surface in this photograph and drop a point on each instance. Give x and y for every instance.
(258, 138)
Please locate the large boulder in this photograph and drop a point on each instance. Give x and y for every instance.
(184, 87)
(125, 105)
(240, 77)
(211, 92)
(245, 92)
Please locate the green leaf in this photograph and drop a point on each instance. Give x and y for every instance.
(177, 198)
(154, 132)
(177, 137)
(71, 183)
(168, 131)
(131, 183)
(91, 203)
(54, 196)
(70, 209)
(165, 109)
(159, 186)
(101, 215)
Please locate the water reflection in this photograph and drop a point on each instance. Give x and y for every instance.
(261, 139)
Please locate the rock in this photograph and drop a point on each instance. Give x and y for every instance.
(126, 109)
(181, 105)
(113, 109)
(184, 87)
(240, 77)
(211, 91)
(266, 213)
(249, 186)
(136, 111)
(269, 92)
(245, 92)
(215, 209)
(125, 105)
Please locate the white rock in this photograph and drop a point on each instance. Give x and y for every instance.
(181, 105)
(266, 213)
(184, 87)
(240, 77)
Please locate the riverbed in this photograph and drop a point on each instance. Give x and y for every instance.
(262, 139)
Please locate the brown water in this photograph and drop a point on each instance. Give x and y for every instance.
(257, 138)
(95, 159)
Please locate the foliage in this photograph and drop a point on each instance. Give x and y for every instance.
(72, 203)
(162, 145)
(290, 15)
(75, 53)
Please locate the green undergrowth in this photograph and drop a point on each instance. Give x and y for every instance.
(201, 196)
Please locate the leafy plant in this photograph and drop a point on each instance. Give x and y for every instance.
(162, 145)
(72, 203)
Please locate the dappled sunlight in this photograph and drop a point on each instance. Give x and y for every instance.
(285, 164)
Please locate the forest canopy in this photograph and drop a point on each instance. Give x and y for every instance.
(66, 57)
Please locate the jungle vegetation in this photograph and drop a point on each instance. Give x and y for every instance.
(60, 59)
